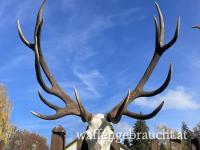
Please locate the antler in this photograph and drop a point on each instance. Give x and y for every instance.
(71, 107)
(116, 113)
(196, 27)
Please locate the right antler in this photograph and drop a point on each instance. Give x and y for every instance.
(116, 113)
(71, 107)
(196, 27)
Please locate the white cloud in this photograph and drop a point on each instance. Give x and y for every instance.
(12, 64)
(11, 11)
(178, 99)
(91, 81)
(77, 41)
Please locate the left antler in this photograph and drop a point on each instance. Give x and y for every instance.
(71, 107)
(116, 113)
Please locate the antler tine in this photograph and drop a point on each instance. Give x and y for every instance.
(51, 117)
(85, 116)
(22, 37)
(119, 111)
(168, 45)
(144, 116)
(196, 27)
(37, 28)
(161, 26)
(71, 107)
(48, 103)
(160, 48)
(39, 19)
(161, 88)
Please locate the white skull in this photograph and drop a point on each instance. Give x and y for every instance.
(100, 133)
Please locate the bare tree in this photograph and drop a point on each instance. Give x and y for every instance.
(5, 109)
(24, 140)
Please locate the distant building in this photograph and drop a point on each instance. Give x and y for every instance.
(195, 143)
(175, 144)
(79, 144)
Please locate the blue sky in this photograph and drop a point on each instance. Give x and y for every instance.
(102, 48)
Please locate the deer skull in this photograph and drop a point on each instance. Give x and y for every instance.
(100, 133)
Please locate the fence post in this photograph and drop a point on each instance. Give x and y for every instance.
(58, 138)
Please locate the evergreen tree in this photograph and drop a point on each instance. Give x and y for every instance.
(186, 143)
(139, 137)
